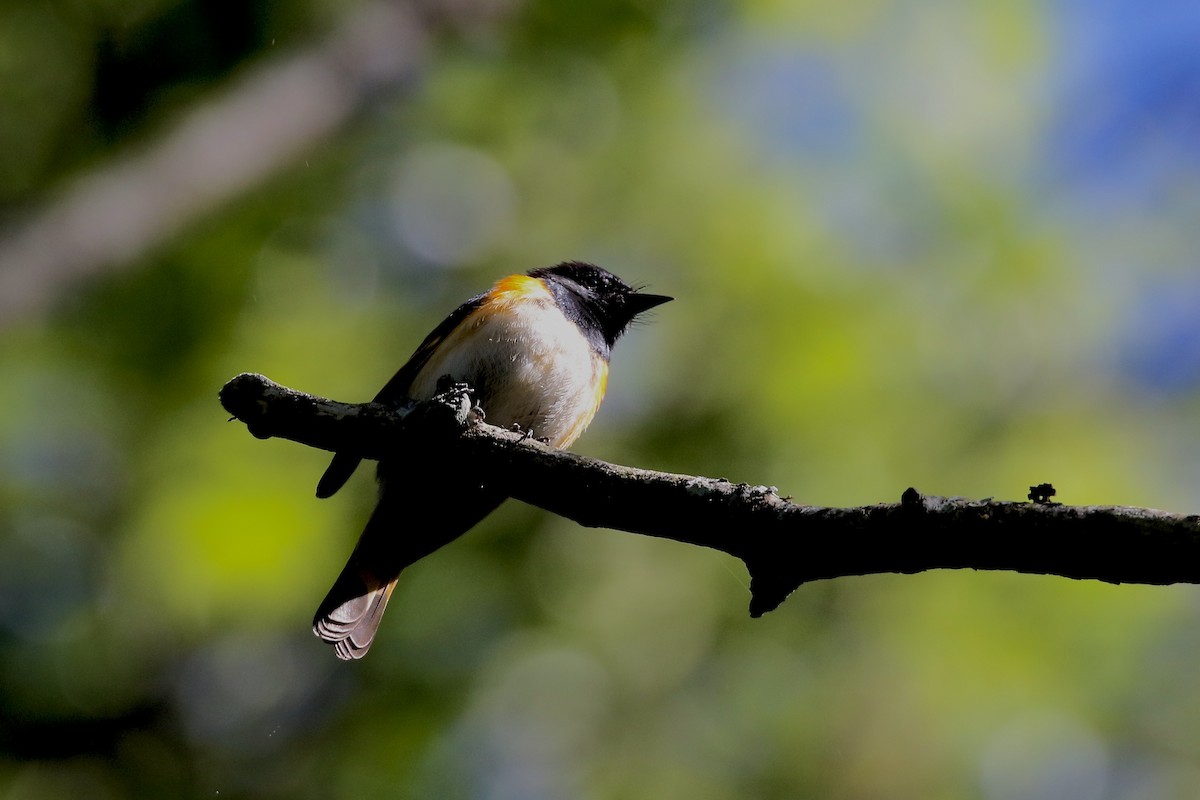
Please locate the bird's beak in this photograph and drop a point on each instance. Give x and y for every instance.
(638, 302)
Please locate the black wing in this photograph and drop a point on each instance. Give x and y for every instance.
(343, 464)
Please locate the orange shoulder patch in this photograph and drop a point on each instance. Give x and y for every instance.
(516, 288)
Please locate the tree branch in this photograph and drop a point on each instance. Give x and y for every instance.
(783, 544)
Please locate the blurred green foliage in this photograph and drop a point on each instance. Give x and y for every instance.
(943, 245)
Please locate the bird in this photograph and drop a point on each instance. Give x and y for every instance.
(535, 349)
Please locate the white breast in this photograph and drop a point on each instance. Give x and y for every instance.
(532, 366)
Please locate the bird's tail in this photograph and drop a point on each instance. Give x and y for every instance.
(397, 535)
(349, 616)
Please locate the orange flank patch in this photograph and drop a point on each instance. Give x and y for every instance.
(600, 385)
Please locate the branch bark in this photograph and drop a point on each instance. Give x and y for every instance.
(783, 544)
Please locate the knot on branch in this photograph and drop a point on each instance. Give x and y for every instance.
(248, 397)
(1042, 493)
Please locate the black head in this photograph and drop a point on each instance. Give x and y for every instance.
(600, 303)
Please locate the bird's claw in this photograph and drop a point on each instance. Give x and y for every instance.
(526, 433)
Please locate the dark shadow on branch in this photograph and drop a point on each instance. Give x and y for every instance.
(783, 544)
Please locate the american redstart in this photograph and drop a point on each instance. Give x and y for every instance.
(535, 348)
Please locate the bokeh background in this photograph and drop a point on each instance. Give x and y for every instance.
(941, 244)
